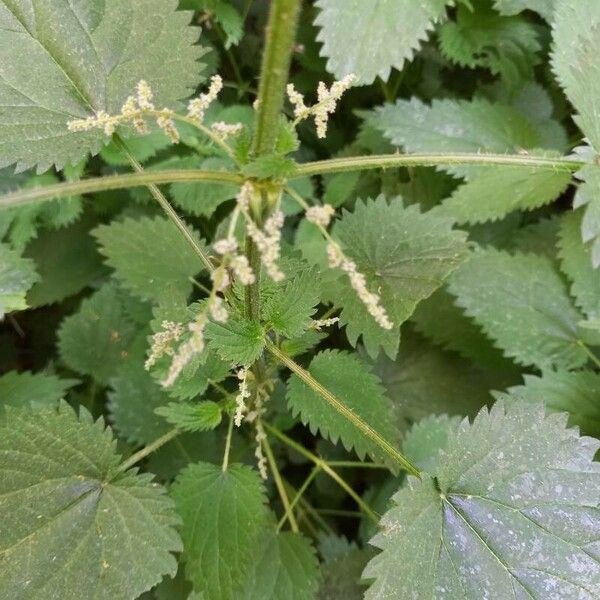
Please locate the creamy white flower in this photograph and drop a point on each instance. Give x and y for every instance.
(358, 282)
(225, 130)
(268, 243)
(240, 399)
(318, 324)
(162, 342)
(225, 246)
(144, 95)
(197, 107)
(297, 99)
(320, 215)
(245, 195)
(242, 270)
(166, 123)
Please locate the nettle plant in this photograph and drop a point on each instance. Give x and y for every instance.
(236, 367)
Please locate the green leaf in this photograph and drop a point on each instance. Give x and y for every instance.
(65, 61)
(576, 263)
(95, 339)
(201, 199)
(285, 567)
(191, 417)
(368, 37)
(71, 525)
(494, 193)
(507, 46)
(455, 126)
(272, 165)
(576, 44)
(513, 7)
(339, 187)
(26, 221)
(439, 319)
(509, 512)
(142, 147)
(17, 275)
(342, 574)
(588, 195)
(239, 340)
(51, 251)
(39, 390)
(149, 256)
(521, 303)
(575, 392)
(425, 380)
(427, 438)
(223, 513)
(404, 255)
(290, 308)
(132, 399)
(360, 390)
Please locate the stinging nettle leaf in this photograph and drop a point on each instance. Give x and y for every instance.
(149, 256)
(521, 303)
(17, 275)
(405, 256)
(191, 417)
(494, 193)
(512, 7)
(360, 390)
(239, 340)
(369, 37)
(510, 511)
(95, 340)
(36, 390)
(576, 263)
(285, 567)
(72, 525)
(223, 513)
(65, 60)
(574, 392)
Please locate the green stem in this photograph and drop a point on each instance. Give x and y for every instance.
(298, 495)
(277, 55)
(354, 464)
(147, 450)
(304, 507)
(324, 467)
(289, 513)
(590, 354)
(168, 209)
(116, 182)
(307, 378)
(385, 161)
(227, 445)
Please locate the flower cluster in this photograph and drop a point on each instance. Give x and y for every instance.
(268, 242)
(238, 263)
(240, 399)
(133, 110)
(162, 342)
(136, 108)
(320, 215)
(327, 101)
(197, 106)
(254, 416)
(186, 351)
(358, 281)
(318, 324)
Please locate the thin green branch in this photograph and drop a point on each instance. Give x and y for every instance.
(325, 468)
(336, 403)
(289, 512)
(168, 209)
(388, 161)
(589, 352)
(116, 182)
(147, 450)
(314, 472)
(227, 445)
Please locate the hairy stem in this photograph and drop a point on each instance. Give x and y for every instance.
(387, 161)
(325, 468)
(289, 512)
(279, 45)
(116, 182)
(168, 209)
(147, 450)
(336, 403)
